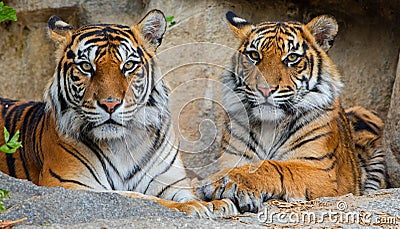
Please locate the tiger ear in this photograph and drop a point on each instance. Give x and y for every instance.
(324, 28)
(152, 27)
(239, 26)
(59, 30)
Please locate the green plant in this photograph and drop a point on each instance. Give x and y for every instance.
(3, 194)
(170, 20)
(11, 145)
(7, 13)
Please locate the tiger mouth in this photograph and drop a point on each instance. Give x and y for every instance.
(266, 103)
(109, 122)
(285, 106)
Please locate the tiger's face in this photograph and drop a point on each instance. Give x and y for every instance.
(282, 68)
(105, 81)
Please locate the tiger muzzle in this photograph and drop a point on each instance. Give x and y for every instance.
(110, 104)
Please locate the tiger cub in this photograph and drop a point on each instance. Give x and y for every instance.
(285, 130)
(105, 123)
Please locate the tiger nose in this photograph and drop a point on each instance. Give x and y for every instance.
(267, 91)
(110, 104)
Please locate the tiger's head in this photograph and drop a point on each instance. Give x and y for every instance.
(282, 68)
(106, 81)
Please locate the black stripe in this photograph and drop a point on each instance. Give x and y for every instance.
(11, 119)
(84, 34)
(380, 171)
(39, 147)
(95, 40)
(169, 186)
(278, 169)
(377, 163)
(62, 180)
(330, 167)
(311, 132)
(165, 170)
(328, 155)
(298, 145)
(295, 125)
(362, 125)
(13, 116)
(28, 123)
(373, 178)
(157, 140)
(79, 156)
(11, 165)
(100, 156)
(149, 154)
(307, 195)
(252, 136)
(61, 99)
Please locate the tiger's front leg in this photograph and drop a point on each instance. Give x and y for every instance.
(250, 185)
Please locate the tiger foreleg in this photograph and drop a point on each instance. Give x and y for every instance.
(196, 208)
(250, 185)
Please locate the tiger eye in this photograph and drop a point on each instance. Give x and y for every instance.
(129, 65)
(292, 57)
(86, 66)
(254, 55)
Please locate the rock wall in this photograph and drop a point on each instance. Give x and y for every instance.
(392, 134)
(365, 50)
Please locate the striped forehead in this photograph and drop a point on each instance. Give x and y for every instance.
(93, 41)
(285, 36)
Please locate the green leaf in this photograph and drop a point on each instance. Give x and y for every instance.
(169, 19)
(7, 13)
(3, 194)
(15, 137)
(11, 145)
(6, 135)
(14, 145)
(6, 149)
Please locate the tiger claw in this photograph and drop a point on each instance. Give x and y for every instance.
(225, 187)
(202, 209)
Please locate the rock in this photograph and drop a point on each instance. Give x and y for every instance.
(392, 134)
(44, 206)
(60, 208)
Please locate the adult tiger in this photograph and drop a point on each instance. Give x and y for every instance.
(285, 129)
(105, 123)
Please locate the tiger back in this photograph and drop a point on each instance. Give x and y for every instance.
(104, 124)
(285, 130)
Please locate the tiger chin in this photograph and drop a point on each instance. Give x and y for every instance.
(104, 124)
(286, 135)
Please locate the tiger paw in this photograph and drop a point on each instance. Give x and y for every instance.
(202, 209)
(240, 187)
